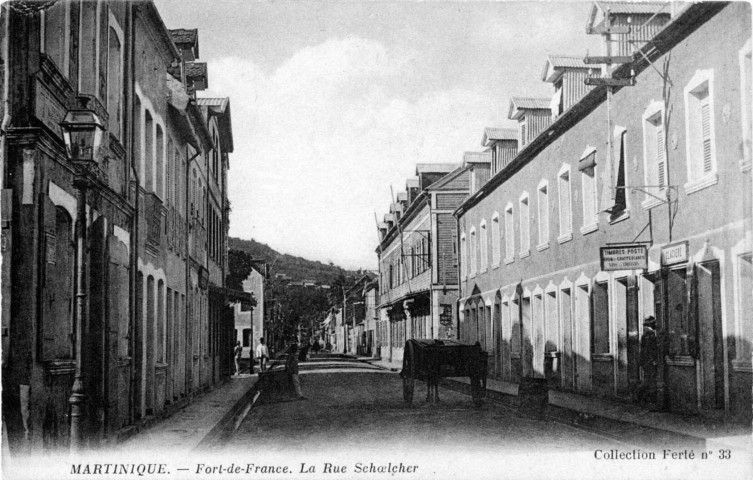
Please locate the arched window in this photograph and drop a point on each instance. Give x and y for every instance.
(148, 151)
(114, 80)
(159, 164)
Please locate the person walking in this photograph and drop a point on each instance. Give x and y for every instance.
(291, 367)
(262, 354)
(649, 359)
(237, 352)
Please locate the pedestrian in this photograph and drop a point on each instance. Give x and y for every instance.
(291, 367)
(262, 354)
(237, 352)
(649, 360)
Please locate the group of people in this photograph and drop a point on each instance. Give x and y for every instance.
(291, 362)
(262, 356)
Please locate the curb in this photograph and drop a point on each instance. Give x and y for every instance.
(232, 419)
(602, 425)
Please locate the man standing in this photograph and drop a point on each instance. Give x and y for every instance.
(649, 362)
(237, 354)
(262, 354)
(291, 367)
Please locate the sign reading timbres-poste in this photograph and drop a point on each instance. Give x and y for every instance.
(624, 257)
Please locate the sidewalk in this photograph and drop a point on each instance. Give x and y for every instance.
(200, 422)
(606, 413)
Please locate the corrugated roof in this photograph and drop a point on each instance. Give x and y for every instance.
(492, 134)
(566, 61)
(519, 104)
(412, 182)
(529, 103)
(184, 35)
(477, 157)
(634, 7)
(435, 167)
(218, 103)
(556, 63)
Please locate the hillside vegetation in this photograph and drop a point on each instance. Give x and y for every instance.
(297, 268)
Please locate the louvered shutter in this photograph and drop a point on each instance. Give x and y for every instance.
(50, 264)
(706, 134)
(660, 156)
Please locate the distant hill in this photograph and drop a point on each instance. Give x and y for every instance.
(297, 268)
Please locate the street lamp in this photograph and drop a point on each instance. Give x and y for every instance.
(82, 132)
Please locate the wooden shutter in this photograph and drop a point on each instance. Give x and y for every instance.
(706, 134)
(660, 155)
(47, 263)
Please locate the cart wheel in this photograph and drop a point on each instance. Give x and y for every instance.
(477, 391)
(408, 374)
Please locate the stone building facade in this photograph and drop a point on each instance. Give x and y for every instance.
(145, 319)
(664, 164)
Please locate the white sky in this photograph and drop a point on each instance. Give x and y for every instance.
(333, 102)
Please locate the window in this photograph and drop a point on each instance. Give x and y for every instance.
(744, 334)
(552, 322)
(246, 337)
(525, 226)
(516, 330)
(115, 78)
(746, 85)
(543, 192)
(161, 322)
(699, 129)
(463, 256)
(566, 225)
(587, 167)
(523, 137)
(149, 151)
(474, 251)
(496, 253)
(56, 22)
(139, 135)
(484, 244)
(654, 154)
(159, 165)
(600, 318)
(509, 234)
(537, 332)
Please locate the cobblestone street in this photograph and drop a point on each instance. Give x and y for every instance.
(342, 408)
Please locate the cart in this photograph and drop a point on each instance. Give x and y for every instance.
(432, 359)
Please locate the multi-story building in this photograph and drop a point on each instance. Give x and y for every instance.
(368, 333)
(661, 163)
(96, 279)
(249, 316)
(417, 258)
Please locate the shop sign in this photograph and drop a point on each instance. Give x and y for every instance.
(624, 257)
(676, 253)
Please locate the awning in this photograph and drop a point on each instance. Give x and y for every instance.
(233, 295)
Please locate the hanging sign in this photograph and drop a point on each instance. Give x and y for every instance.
(675, 253)
(624, 257)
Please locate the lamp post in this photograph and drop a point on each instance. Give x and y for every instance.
(82, 132)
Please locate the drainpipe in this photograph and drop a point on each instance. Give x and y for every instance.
(189, 311)
(460, 280)
(134, 299)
